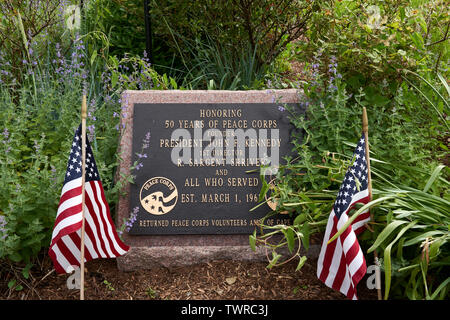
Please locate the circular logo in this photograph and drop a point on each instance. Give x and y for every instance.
(158, 195)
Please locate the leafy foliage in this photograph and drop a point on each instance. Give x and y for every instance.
(374, 40)
(40, 112)
(206, 44)
(410, 206)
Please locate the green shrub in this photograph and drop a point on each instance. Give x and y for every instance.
(406, 142)
(122, 22)
(220, 36)
(373, 41)
(40, 111)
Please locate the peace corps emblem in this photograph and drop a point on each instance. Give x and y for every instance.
(158, 195)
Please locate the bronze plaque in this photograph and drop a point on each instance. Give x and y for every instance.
(198, 165)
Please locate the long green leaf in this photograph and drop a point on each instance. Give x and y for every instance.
(422, 237)
(430, 102)
(387, 259)
(433, 177)
(264, 188)
(289, 235)
(442, 286)
(252, 240)
(273, 261)
(301, 262)
(306, 233)
(408, 267)
(444, 82)
(357, 213)
(429, 84)
(385, 233)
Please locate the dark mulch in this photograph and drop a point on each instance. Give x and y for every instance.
(216, 280)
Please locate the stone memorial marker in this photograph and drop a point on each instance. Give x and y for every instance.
(198, 156)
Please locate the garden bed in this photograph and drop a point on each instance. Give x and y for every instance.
(216, 280)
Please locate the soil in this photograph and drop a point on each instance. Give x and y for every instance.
(215, 280)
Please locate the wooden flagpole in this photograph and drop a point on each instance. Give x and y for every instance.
(83, 178)
(366, 136)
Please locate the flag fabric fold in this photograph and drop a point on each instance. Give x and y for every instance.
(341, 263)
(101, 238)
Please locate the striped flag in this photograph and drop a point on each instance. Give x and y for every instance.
(341, 264)
(101, 239)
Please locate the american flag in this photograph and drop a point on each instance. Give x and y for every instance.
(101, 239)
(341, 264)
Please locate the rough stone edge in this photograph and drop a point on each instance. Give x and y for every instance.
(203, 250)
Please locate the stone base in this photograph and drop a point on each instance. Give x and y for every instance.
(139, 258)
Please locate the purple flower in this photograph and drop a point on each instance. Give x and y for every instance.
(3, 223)
(332, 68)
(37, 147)
(281, 108)
(332, 88)
(6, 133)
(131, 220)
(91, 133)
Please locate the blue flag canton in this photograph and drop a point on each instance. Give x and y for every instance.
(356, 179)
(74, 164)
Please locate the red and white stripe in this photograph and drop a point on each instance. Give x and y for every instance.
(341, 264)
(101, 239)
